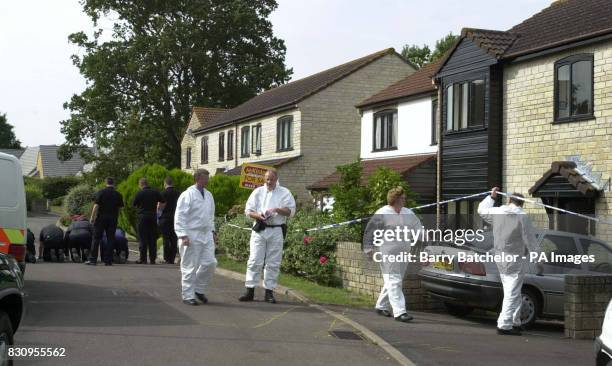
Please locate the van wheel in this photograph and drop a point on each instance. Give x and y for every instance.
(458, 310)
(530, 307)
(6, 338)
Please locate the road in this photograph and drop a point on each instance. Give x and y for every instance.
(133, 315)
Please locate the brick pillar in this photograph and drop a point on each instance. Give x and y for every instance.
(586, 299)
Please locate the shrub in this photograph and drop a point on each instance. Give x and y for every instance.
(32, 191)
(155, 175)
(79, 199)
(379, 184)
(301, 257)
(56, 187)
(227, 192)
(58, 201)
(350, 196)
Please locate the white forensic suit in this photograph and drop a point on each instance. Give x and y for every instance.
(391, 294)
(195, 218)
(512, 234)
(267, 246)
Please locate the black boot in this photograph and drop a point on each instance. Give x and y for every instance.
(249, 295)
(269, 297)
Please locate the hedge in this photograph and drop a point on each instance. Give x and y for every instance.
(311, 256)
(32, 191)
(55, 187)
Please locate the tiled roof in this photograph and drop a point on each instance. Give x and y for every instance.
(562, 22)
(28, 160)
(206, 114)
(53, 167)
(273, 163)
(288, 95)
(567, 170)
(15, 152)
(493, 42)
(417, 83)
(403, 165)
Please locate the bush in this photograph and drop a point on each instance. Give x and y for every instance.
(227, 192)
(350, 196)
(155, 175)
(79, 200)
(56, 187)
(301, 257)
(59, 201)
(379, 184)
(32, 191)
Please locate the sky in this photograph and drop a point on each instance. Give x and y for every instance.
(37, 76)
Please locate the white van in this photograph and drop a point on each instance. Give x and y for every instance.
(13, 209)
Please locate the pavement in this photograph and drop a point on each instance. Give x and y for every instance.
(133, 315)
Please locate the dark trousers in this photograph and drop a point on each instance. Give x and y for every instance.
(79, 243)
(147, 234)
(166, 225)
(53, 246)
(103, 225)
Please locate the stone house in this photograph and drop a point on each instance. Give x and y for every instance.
(530, 110)
(304, 128)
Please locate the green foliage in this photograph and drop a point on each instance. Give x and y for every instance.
(350, 196)
(156, 61)
(79, 200)
(7, 136)
(155, 175)
(58, 201)
(300, 258)
(32, 191)
(227, 192)
(54, 187)
(421, 56)
(379, 184)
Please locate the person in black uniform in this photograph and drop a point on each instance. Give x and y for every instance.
(51, 241)
(166, 220)
(30, 247)
(146, 201)
(78, 239)
(120, 248)
(104, 216)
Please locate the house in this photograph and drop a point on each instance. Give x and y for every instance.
(398, 131)
(15, 152)
(304, 128)
(530, 110)
(42, 161)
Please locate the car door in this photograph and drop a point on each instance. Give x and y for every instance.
(601, 253)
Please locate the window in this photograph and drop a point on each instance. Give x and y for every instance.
(188, 158)
(574, 88)
(465, 105)
(601, 253)
(230, 145)
(385, 130)
(284, 133)
(244, 141)
(434, 121)
(256, 142)
(221, 145)
(204, 150)
(558, 244)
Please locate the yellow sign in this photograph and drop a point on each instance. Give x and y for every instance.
(252, 175)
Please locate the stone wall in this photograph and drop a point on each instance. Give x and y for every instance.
(586, 299)
(362, 275)
(532, 141)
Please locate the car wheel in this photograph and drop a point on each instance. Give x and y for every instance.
(530, 307)
(6, 338)
(458, 310)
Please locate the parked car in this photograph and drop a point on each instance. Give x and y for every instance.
(462, 287)
(12, 209)
(603, 343)
(11, 302)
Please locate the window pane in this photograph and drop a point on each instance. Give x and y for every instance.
(377, 133)
(230, 145)
(464, 105)
(289, 133)
(394, 131)
(434, 122)
(221, 145)
(563, 91)
(477, 103)
(449, 108)
(581, 87)
(456, 106)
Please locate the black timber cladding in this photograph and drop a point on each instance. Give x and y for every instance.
(471, 158)
(422, 181)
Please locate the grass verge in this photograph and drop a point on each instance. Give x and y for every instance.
(315, 292)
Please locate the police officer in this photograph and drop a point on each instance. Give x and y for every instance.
(51, 241)
(104, 216)
(30, 247)
(78, 239)
(146, 201)
(166, 220)
(119, 250)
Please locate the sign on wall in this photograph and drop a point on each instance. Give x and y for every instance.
(252, 175)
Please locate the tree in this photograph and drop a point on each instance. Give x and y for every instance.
(421, 56)
(161, 59)
(7, 136)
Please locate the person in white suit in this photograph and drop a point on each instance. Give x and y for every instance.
(269, 205)
(513, 234)
(194, 224)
